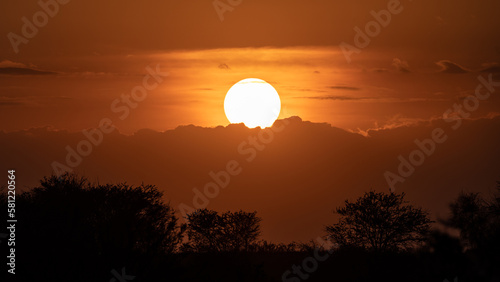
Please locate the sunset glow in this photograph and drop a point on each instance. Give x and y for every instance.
(253, 102)
(250, 140)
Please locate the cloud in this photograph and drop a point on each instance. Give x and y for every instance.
(491, 68)
(24, 71)
(8, 101)
(340, 87)
(204, 89)
(397, 121)
(307, 169)
(451, 67)
(8, 67)
(334, 97)
(11, 64)
(377, 99)
(379, 70)
(401, 66)
(224, 67)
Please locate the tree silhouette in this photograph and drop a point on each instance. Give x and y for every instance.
(208, 231)
(265, 246)
(478, 220)
(71, 230)
(379, 222)
(71, 226)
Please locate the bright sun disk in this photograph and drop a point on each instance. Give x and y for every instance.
(253, 102)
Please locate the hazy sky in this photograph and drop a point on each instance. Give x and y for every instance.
(294, 182)
(66, 66)
(91, 52)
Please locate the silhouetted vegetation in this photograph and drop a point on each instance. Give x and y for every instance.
(478, 220)
(79, 231)
(72, 230)
(379, 222)
(207, 231)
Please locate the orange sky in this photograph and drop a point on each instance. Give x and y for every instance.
(98, 51)
(313, 82)
(74, 70)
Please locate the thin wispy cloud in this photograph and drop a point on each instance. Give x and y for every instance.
(30, 100)
(451, 67)
(8, 67)
(333, 97)
(400, 65)
(340, 87)
(224, 67)
(491, 68)
(24, 71)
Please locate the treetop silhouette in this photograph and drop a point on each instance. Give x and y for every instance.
(379, 222)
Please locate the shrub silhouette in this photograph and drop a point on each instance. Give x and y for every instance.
(265, 246)
(71, 230)
(69, 225)
(379, 222)
(477, 219)
(207, 231)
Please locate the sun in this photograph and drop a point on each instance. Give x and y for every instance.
(252, 101)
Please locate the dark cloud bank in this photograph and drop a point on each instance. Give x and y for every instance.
(294, 182)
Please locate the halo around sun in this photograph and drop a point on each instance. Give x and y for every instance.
(252, 101)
